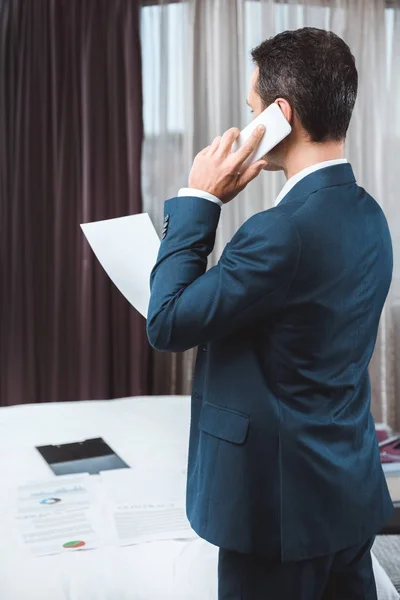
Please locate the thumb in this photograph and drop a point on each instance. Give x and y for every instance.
(252, 172)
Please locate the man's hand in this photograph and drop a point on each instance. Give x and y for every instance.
(218, 171)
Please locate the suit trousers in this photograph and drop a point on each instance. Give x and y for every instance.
(346, 575)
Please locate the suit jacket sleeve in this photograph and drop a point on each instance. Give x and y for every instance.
(189, 306)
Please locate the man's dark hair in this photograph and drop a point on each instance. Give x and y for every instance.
(315, 71)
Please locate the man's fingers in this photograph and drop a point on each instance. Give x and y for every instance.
(251, 172)
(248, 148)
(211, 149)
(215, 145)
(227, 140)
(204, 151)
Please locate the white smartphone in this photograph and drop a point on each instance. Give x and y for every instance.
(276, 129)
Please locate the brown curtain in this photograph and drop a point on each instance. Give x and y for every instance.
(70, 151)
(172, 373)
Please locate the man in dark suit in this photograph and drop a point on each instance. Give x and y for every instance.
(284, 472)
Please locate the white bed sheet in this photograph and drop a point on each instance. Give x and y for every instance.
(150, 432)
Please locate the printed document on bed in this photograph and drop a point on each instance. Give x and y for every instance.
(145, 505)
(58, 516)
(127, 249)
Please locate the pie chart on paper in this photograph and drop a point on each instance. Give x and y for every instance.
(73, 545)
(50, 501)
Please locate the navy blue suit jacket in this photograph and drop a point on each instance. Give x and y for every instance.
(283, 457)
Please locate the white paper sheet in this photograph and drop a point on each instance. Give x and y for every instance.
(120, 508)
(58, 515)
(127, 249)
(145, 506)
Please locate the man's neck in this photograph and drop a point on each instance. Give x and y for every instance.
(308, 154)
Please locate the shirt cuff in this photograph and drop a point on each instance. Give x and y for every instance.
(199, 194)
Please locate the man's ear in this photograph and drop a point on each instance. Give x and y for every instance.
(285, 108)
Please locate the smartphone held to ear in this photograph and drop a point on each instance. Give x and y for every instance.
(276, 129)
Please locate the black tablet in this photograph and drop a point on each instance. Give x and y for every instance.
(90, 456)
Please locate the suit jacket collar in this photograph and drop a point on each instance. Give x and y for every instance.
(323, 178)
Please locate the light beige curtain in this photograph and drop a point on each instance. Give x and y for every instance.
(196, 69)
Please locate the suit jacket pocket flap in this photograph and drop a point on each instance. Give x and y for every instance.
(224, 423)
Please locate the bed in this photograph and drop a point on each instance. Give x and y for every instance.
(150, 432)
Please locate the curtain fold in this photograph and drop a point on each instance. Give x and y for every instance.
(70, 151)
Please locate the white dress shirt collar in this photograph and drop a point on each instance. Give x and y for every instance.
(299, 176)
(285, 190)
